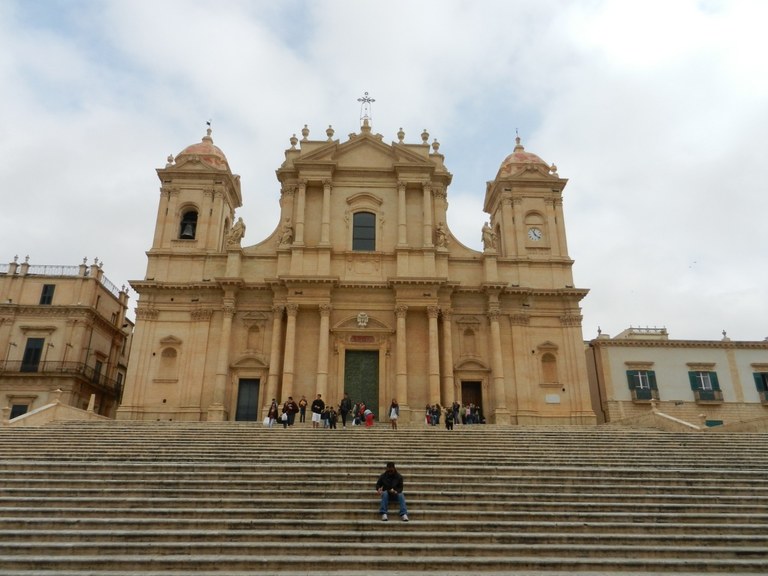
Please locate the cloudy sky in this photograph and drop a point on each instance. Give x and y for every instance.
(656, 111)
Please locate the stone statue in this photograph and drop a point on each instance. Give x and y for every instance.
(489, 237)
(286, 236)
(236, 233)
(441, 235)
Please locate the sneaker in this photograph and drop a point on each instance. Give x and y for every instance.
(404, 517)
(384, 518)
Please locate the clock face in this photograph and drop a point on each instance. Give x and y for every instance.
(534, 234)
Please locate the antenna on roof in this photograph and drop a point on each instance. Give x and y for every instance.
(365, 108)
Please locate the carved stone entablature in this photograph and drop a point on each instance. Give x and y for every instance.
(368, 340)
(517, 200)
(520, 319)
(201, 314)
(465, 322)
(147, 313)
(571, 320)
(170, 190)
(288, 191)
(370, 324)
(38, 329)
(507, 201)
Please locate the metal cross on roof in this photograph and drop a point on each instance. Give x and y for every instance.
(365, 107)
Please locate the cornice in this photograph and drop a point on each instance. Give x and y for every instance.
(711, 344)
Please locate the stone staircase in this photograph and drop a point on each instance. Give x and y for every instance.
(236, 498)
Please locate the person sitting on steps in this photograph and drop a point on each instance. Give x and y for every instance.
(390, 485)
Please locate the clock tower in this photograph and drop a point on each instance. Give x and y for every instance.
(526, 207)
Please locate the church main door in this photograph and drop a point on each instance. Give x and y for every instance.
(247, 399)
(361, 377)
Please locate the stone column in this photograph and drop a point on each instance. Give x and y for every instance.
(402, 226)
(302, 192)
(434, 355)
(447, 392)
(497, 368)
(401, 362)
(217, 412)
(427, 213)
(322, 351)
(290, 350)
(325, 222)
(274, 354)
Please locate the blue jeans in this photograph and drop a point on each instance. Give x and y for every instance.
(385, 496)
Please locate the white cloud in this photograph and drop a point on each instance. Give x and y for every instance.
(655, 111)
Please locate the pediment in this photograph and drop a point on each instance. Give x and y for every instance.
(472, 365)
(250, 360)
(171, 341)
(547, 345)
(363, 151)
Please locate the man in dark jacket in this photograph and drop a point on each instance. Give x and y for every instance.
(390, 485)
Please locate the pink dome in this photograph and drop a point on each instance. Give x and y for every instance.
(207, 153)
(519, 159)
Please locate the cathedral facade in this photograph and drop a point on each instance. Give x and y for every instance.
(361, 288)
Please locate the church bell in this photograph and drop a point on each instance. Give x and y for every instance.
(188, 233)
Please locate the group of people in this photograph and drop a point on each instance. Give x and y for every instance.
(322, 415)
(454, 414)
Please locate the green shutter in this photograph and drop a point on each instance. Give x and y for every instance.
(693, 381)
(631, 379)
(760, 383)
(713, 380)
(652, 379)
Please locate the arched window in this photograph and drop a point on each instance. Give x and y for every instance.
(364, 231)
(188, 227)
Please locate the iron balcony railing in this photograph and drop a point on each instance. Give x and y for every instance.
(58, 368)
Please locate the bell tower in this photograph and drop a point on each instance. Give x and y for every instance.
(526, 207)
(198, 198)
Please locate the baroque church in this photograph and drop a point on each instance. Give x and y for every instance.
(361, 288)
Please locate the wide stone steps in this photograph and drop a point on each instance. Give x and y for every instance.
(387, 561)
(529, 533)
(236, 498)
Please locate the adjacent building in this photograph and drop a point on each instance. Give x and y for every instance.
(360, 288)
(61, 328)
(724, 381)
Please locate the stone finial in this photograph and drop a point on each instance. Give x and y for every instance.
(329, 132)
(435, 146)
(400, 135)
(169, 161)
(424, 136)
(294, 141)
(304, 133)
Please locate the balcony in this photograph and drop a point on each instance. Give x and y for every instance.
(708, 396)
(78, 370)
(644, 395)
